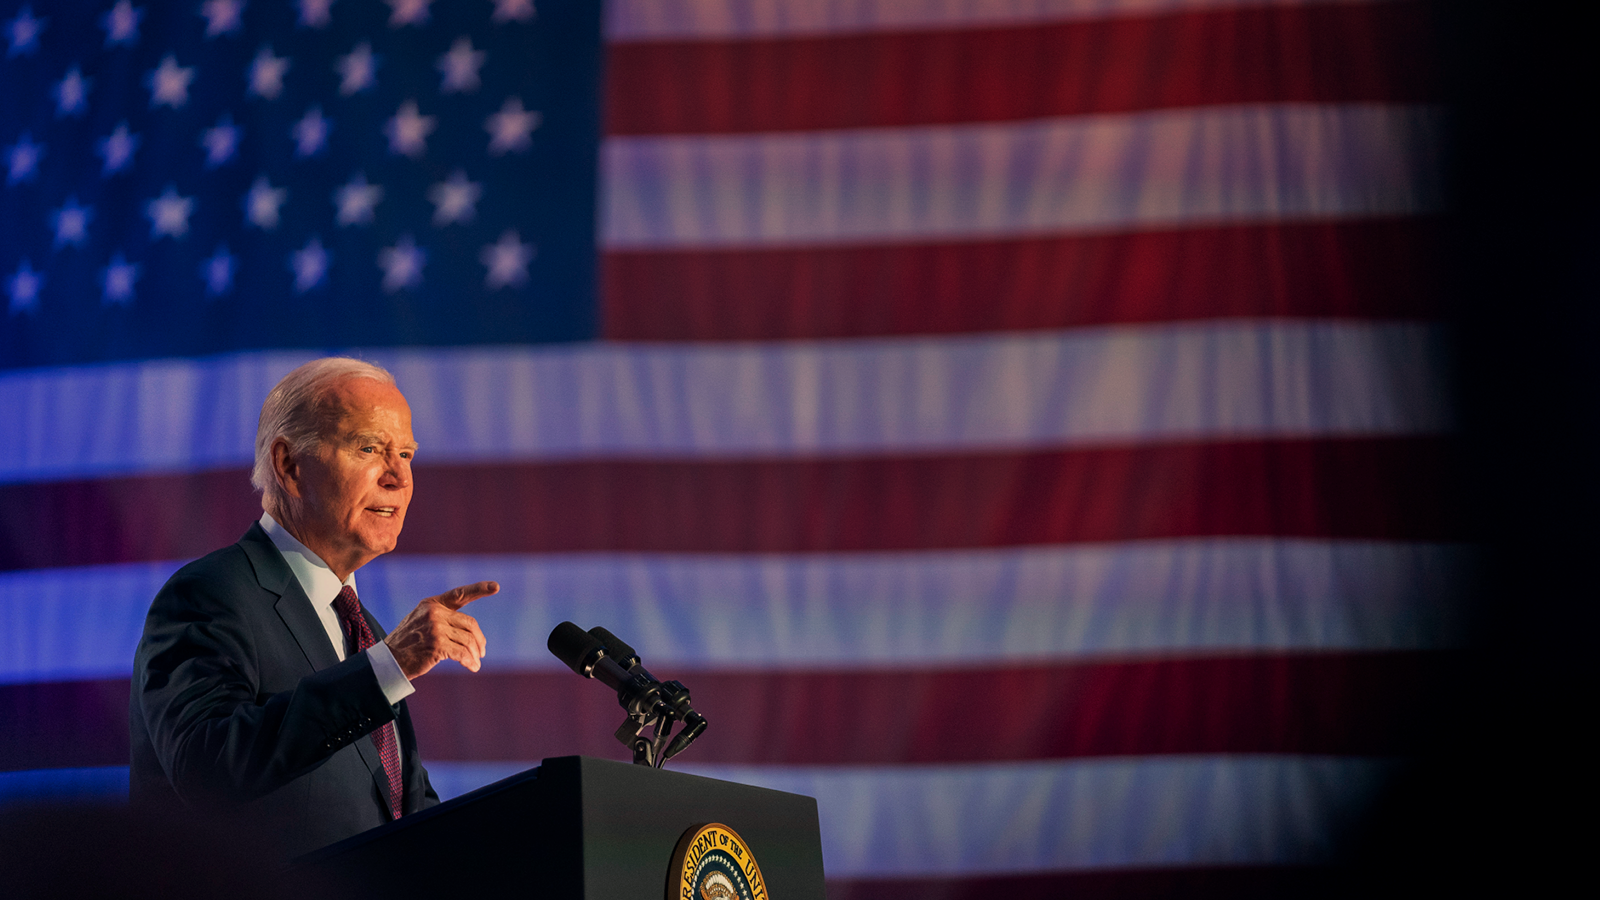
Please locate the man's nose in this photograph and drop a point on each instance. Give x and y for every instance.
(397, 472)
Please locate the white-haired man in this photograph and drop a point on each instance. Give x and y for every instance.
(262, 692)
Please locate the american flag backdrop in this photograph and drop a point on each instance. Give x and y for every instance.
(1021, 423)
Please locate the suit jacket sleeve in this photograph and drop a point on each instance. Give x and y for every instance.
(227, 718)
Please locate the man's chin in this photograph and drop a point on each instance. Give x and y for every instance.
(378, 541)
(385, 544)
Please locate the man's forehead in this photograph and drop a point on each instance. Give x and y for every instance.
(378, 436)
(359, 390)
(373, 409)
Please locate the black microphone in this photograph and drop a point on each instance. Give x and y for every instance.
(673, 693)
(603, 656)
(638, 692)
(572, 645)
(625, 656)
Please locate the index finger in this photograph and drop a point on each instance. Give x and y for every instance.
(455, 598)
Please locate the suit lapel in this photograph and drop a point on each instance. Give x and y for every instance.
(300, 618)
(293, 607)
(411, 769)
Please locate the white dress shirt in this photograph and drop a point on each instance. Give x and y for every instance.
(323, 587)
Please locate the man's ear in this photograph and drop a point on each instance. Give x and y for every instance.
(285, 469)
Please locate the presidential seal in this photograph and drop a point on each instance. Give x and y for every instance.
(712, 862)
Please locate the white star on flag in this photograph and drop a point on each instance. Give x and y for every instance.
(261, 204)
(117, 149)
(118, 281)
(309, 264)
(512, 11)
(169, 83)
(24, 32)
(454, 200)
(169, 214)
(460, 67)
(315, 13)
(72, 93)
(311, 133)
(356, 200)
(72, 223)
(217, 272)
(266, 73)
(511, 128)
(402, 264)
(24, 287)
(220, 141)
(408, 132)
(358, 70)
(507, 261)
(122, 23)
(408, 12)
(222, 16)
(22, 159)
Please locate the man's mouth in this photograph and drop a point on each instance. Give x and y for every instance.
(382, 510)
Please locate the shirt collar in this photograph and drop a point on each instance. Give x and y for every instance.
(318, 581)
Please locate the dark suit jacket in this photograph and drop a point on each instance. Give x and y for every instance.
(241, 710)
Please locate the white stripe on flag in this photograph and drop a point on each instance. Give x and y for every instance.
(71, 624)
(1078, 814)
(1047, 176)
(116, 418)
(672, 20)
(1227, 379)
(827, 611)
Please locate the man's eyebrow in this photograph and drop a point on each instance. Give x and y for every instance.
(367, 437)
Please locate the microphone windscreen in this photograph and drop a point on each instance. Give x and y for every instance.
(572, 645)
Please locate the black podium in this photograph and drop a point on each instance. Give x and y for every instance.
(573, 827)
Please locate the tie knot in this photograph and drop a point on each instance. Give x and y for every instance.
(347, 604)
(348, 607)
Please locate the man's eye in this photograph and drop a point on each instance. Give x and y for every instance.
(368, 449)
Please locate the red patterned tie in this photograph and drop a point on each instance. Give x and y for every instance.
(348, 606)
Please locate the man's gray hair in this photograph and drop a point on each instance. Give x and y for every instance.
(299, 411)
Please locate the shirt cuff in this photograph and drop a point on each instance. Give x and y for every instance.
(394, 683)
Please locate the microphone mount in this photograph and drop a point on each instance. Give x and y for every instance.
(651, 704)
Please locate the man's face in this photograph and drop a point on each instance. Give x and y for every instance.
(354, 488)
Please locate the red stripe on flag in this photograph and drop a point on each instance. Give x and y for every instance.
(137, 518)
(1376, 488)
(64, 724)
(1332, 704)
(1306, 53)
(1335, 704)
(1375, 269)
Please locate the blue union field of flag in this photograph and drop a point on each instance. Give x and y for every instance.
(194, 178)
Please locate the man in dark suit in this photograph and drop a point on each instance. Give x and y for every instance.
(263, 694)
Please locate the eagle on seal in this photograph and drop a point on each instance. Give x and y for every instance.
(718, 887)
